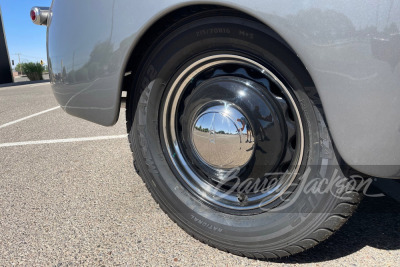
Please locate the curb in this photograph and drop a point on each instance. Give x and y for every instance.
(23, 83)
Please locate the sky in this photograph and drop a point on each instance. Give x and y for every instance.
(22, 35)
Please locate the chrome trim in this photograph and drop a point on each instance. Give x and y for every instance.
(217, 135)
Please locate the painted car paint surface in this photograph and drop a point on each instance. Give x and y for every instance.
(350, 48)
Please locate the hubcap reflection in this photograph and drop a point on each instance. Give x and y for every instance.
(222, 137)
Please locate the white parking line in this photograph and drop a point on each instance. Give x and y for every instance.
(69, 140)
(38, 84)
(28, 117)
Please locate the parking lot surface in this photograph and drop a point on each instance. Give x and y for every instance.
(69, 195)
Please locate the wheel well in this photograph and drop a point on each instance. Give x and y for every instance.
(157, 28)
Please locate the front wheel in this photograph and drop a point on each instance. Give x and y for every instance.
(228, 141)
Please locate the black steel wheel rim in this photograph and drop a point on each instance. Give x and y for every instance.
(212, 107)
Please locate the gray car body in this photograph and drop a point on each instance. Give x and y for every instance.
(351, 50)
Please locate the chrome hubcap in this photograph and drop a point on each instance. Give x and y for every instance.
(228, 119)
(220, 136)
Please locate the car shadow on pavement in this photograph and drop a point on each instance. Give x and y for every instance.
(376, 223)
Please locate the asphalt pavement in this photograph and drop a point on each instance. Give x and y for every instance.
(69, 196)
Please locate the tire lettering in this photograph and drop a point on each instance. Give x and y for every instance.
(246, 34)
(205, 224)
(213, 31)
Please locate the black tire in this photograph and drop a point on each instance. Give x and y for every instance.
(288, 225)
